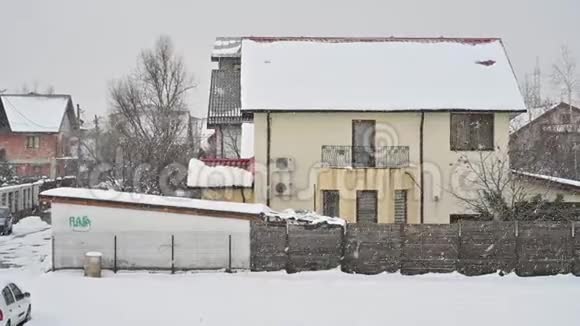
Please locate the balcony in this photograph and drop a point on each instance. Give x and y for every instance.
(385, 157)
(561, 128)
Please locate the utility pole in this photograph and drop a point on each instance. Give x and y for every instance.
(97, 137)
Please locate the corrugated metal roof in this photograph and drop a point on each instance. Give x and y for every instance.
(224, 97)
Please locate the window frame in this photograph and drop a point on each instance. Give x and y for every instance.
(470, 147)
(326, 192)
(6, 288)
(32, 142)
(12, 287)
(376, 208)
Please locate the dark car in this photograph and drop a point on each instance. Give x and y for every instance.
(6, 220)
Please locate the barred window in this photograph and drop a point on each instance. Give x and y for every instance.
(472, 131)
(401, 206)
(331, 203)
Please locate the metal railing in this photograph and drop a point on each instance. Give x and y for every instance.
(338, 156)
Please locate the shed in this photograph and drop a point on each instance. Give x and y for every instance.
(138, 231)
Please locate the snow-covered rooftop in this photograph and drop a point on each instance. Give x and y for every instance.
(227, 47)
(562, 181)
(35, 113)
(382, 74)
(153, 200)
(200, 175)
(525, 118)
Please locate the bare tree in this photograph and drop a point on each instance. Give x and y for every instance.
(231, 143)
(564, 73)
(493, 191)
(147, 112)
(565, 76)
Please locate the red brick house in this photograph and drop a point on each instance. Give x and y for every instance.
(37, 133)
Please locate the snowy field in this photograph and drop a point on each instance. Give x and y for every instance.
(316, 298)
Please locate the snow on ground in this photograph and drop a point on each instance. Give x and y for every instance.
(28, 247)
(66, 298)
(315, 298)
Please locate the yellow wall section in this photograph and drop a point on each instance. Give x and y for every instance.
(301, 136)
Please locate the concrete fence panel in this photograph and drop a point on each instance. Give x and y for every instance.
(544, 248)
(372, 249)
(429, 249)
(486, 247)
(268, 246)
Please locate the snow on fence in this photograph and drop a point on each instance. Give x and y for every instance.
(156, 250)
(473, 248)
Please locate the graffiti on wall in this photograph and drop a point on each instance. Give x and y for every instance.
(79, 223)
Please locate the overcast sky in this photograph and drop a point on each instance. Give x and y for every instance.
(78, 46)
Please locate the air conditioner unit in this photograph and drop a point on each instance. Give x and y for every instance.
(282, 185)
(283, 164)
(282, 189)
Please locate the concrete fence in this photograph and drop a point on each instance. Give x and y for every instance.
(474, 248)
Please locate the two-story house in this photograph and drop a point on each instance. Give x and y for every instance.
(546, 140)
(373, 129)
(37, 133)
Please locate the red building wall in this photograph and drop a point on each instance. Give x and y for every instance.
(33, 161)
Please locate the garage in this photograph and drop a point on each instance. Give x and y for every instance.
(138, 231)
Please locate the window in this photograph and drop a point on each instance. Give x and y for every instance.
(363, 143)
(8, 296)
(565, 118)
(32, 142)
(472, 131)
(331, 203)
(17, 293)
(400, 206)
(366, 206)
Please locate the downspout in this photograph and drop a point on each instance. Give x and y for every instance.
(268, 139)
(421, 170)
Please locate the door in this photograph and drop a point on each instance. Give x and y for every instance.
(366, 206)
(12, 310)
(363, 143)
(22, 302)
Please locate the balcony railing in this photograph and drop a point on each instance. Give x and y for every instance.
(365, 157)
(561, 128)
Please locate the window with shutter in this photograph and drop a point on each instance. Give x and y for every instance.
(472, 131)
(366, 206)
(363, 143)
(331, 203)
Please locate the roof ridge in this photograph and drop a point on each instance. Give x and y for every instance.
(338, 39)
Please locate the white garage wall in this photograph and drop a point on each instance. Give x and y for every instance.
(144, 239)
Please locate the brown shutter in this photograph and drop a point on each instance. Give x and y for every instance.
(366, 206)
(331, 203)
(401, 206)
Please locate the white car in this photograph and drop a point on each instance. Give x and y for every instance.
(15, 305)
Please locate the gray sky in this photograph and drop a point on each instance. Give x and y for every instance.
(80, 46)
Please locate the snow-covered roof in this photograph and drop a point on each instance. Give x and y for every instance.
(35, 113)
(200, 175)
(525, 118)
(377, 74)
(562, 181)
(247, 146)
(226, 47)
(153, 200)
